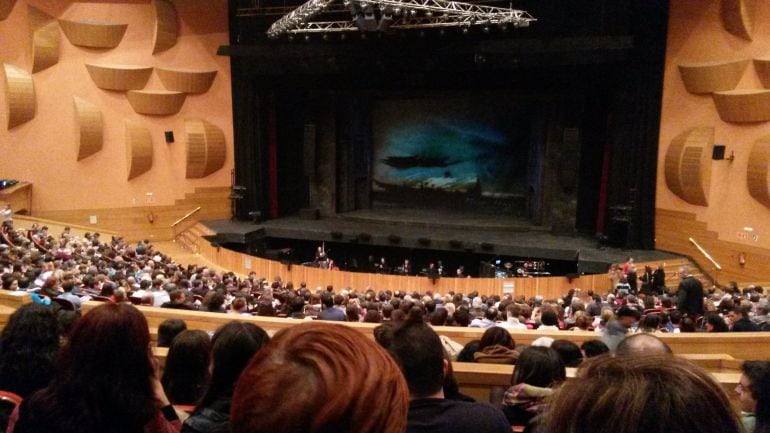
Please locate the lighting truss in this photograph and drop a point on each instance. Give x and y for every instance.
(382, 15)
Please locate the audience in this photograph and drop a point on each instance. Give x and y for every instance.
(319, 377)
(232, 347)
(106, 380)
(634, 394)
(186, 372)
(538, 371)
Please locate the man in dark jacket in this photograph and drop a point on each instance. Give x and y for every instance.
(689, 297)
(741, 321)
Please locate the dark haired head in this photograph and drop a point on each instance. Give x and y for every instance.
(419, 352)
(539, 366)
(187, 367)
(168, 329)
(569, 352)
(232, 347)
(300, 382)
(592, 348)
(758, 374)
(549, 317)
(28, 346)
(496, 335)
(438, 318)
(715, 323)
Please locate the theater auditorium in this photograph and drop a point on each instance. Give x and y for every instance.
(414, 215)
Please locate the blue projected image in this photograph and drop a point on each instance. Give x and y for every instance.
(449, 146)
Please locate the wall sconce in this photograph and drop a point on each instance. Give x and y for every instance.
(731, 158)
(742, 259)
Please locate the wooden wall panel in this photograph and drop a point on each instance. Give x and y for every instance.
(688, 165)
(88, 119)
(156, 102)
(6, 6)
(93, 35)
(186, 80)
(19, 95)
(119, 77)
(712, 76)
(45, 39)
(138, 149)
(673, 228)
(206, 148)
(743, 105)
(166, 26)
(757, 176)
(736, 18)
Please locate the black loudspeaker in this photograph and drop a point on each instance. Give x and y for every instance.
(308, 150)
(718, 153)
(170, 137)
(394, 239)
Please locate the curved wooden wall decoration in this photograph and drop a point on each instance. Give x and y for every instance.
(93, 35)
(166, 26)
(186, 80)
(688, 165)
(736, 18)
(205, 148)
(45, 39)
(119, 77)
(712, 76)
(758, 172)
(743, 105)
(6, 6)
(90, 127)
(138, 149)
(762, 66)
(156, 102)
(19, 95)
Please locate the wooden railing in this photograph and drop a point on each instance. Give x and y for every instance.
(717, 266)
(187, 215)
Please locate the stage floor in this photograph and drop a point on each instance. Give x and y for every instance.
(446, 230)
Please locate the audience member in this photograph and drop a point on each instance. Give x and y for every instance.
(569, 352)
(537, 372)
(319, 377)
(168, 329)
(232, 347)
(630, 394)
(754, 394)
(186, 373)
(592, 348)
(106, 380)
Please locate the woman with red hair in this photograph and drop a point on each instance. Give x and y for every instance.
(320, 378)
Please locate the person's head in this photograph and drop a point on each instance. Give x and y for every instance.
(539, 366)
(168, 329)
(754, 392)
(592, 348)
(627, 316)
(419, 352)
(642, 344)
(630, 394)
(496, 335)
(28, 346)
(105, 370)
(715, 323)
(300, 382)
(549, 317)
(187, 367)
(232, 346)
(569, 352)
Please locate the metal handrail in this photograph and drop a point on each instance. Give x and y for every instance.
(705, 254)
(189, 214)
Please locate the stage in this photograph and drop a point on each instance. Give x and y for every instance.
(439, 231)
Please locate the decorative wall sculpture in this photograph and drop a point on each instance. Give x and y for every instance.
(90, 127)
(688, 165)
(45, 39)
(119, 77)
(19, 95)
(757, 177)
(138, 149)
(712, 76)
(736, 18)
(205, 148)
(166, 26)
(743, 105)
(93, 35)
(6, 6)
(156, 102)
(186, 80)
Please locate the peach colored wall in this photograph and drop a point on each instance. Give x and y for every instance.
(696, 34)
(44, 149)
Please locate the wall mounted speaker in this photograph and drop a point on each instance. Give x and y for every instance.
(718, 153)
(169, 137)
